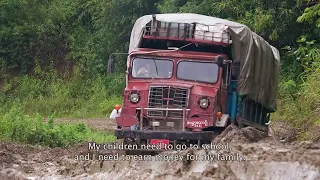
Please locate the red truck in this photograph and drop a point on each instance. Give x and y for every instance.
(190, 75)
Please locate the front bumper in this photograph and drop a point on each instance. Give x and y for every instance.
(170, 135)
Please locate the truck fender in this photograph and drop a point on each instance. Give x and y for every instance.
(114, 114)
(223, 121)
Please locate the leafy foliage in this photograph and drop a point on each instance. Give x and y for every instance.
(85, 32)
(311, 15)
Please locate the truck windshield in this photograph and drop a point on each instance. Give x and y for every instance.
(198, 71)
(152, 68)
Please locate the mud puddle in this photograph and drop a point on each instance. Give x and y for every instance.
(250, 156)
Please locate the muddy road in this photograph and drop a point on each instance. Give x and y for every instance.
(250, 156)
(103, 124)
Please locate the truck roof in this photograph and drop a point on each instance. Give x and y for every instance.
(259, 61)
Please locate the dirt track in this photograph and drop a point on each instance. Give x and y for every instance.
(265, 158)
(104, 124)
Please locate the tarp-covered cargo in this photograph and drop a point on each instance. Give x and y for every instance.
(259, 61)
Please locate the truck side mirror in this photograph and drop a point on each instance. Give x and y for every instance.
(225, 64)
(227, 75)
(219, 61)
(110, 65)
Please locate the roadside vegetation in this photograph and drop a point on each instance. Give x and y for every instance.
(54, 55)
(16, 126)
(74, 97)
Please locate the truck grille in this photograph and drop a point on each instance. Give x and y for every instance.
(167, 97)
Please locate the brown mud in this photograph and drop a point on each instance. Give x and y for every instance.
(251, 155)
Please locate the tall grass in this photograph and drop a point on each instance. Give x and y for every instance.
(299, 104)
(15, 126)
(75, 97)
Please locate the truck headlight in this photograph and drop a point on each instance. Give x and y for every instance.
(134, 98)
(204, 103)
